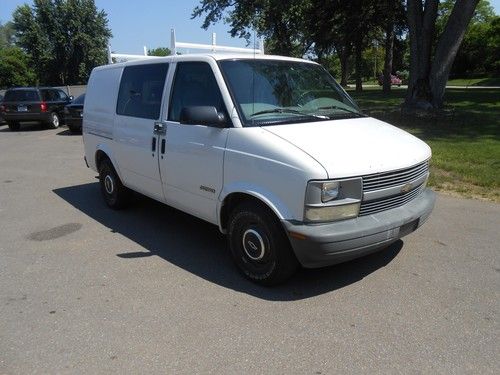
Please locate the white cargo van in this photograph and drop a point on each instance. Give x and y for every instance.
(270, 149)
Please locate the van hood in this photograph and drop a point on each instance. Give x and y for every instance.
(354, 147)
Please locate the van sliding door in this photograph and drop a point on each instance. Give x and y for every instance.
(138, 108)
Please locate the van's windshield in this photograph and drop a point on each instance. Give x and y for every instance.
(271, 92)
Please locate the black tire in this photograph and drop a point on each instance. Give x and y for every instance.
(267, 257)
(114, 193)
(14, 126)
(54, 121)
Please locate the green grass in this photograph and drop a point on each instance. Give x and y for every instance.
(372, 81)
(474, 82)
(465, 138)
(466, 82)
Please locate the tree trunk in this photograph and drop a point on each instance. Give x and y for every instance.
(421, 28)
(447, 48)
(389, 48)
(343, 52)
(344, 67)
(427, 81)
(358, 46)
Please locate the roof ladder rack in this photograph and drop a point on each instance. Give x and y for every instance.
(126, 57)
(174, 45)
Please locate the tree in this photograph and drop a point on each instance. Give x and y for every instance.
(348, 27)
(391, 13)
(474, 56)
(333, 30)
(493, 44)
(296, 27)
(483, 13)
(6, 35)
(281, 23)
(14, 68)
(160, 51)
(65, 38)
(429, 71)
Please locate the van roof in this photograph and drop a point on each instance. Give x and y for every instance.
(203, 56)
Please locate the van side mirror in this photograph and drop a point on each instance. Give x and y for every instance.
(202, 115)
(71, 97)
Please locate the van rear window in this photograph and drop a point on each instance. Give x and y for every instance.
(141, 90)
(21, 96)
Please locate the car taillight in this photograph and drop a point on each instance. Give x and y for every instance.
(43, 107)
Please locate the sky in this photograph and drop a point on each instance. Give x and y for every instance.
(135, 24)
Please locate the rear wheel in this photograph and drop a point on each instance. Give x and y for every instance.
(53, 121)
(259, 245)
(14, 126)
(114, 193)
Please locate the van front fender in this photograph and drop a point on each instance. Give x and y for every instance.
(270, 199)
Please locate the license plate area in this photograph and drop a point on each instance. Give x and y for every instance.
(22, 108)
(408, 228)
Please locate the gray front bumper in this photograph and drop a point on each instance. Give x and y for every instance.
(327, 244)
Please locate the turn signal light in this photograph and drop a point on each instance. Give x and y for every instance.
(43, 107)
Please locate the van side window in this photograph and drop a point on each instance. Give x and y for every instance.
(194, 85)
(141, 90)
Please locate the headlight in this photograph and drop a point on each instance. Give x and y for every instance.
(333, 200)
(329, 191)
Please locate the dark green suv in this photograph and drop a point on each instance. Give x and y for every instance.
(42, 104)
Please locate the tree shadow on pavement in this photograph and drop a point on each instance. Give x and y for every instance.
(199, 247)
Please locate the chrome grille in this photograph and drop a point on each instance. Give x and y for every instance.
(383, 182)
(394, 178)
(372, 207)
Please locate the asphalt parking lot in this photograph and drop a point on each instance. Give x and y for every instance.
(84, 289)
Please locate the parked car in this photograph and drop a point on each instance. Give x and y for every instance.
(73, 114)
(395, 80)
(270, 149)
(41, 104)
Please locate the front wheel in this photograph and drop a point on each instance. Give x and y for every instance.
(54, 121)
(259, 245)
(114, 193)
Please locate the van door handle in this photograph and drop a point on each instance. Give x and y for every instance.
(159, 128)
(163, 146)
(153, 144)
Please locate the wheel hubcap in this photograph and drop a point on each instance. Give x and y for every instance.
(253, 244)
(109, 184)
(55, 120)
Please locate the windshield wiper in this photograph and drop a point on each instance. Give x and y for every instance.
(288, 110)
(342, 109)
